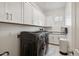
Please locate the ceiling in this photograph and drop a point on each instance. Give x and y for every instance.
(49, 6)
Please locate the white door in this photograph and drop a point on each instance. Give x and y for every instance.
(77, 25)
(15, 11)
(28, 13)
(3, 15)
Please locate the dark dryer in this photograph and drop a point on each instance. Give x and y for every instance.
(33, 43)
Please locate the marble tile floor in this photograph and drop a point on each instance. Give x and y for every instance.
(54, 51)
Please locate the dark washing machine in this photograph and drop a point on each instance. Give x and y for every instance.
(33, 43)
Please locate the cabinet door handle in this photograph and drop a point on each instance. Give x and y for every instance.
(11, 16)
(7, 16)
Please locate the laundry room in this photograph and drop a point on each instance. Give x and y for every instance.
(39, 28)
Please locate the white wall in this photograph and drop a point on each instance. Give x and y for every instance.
(68, 14)
(8, 37)
(70, 23)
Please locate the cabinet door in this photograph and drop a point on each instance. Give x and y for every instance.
(14, 9)
(28, 13)
(41, 19)
(35, 16)
(44, 20)
(3, 15)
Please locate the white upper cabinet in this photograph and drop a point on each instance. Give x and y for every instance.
(35, 16)
(14, 9)
(41, 19)
(28, 13)
(23, 13)
(38, 17)
(3, 14)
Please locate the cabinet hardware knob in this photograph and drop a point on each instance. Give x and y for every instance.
(11, 16)
(7, 16)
